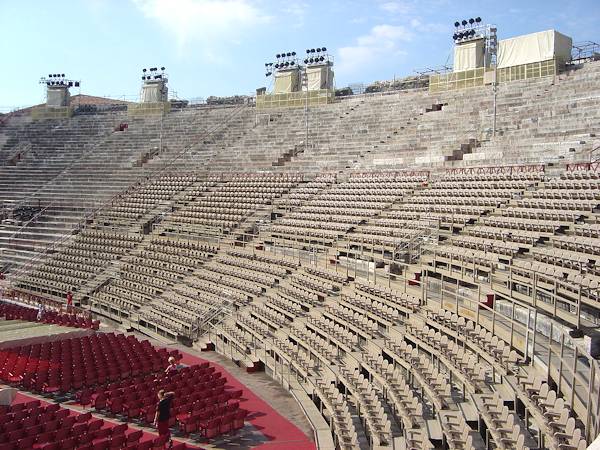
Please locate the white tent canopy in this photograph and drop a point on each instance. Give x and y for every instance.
(534, 47)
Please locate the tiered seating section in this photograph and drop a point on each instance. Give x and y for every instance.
(11, 311)
(70, 364)
(273, 262)
(119, 376)
(202, 405)
(33, 425)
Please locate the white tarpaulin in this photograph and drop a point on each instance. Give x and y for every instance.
(534, 47)
(469, 55)
(319, 77)
(154, 92)
(286, 81)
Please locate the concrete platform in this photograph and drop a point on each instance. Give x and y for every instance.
(19, 332)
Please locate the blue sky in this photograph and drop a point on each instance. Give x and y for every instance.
(219, 47)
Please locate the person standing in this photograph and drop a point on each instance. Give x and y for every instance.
(69, 302)
(40, 313)
(163, 414)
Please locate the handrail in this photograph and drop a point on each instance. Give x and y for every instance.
(141, 179)
(593, 156)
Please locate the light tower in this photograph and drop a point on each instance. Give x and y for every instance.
(154, 94)
(318, 66)
(475, 44)
(286, 73)
(57, 90)
(154, 85)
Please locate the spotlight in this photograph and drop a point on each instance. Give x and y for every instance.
(277, 66)
(472, 33)
(322, 58)
(292, 63)
(70, 84)
(323, 49)
(144, 70)
(464, 23)
(455, 36)
(306, 61)
(478, 19)
(293, 53)
(457, 24)
(311, 60)
(312, 50)
(143, 77)
(277, 55)
(287, 64)
(308, 50)
(77, 84)
(471, 21)
(268, 74)
(318, 49)
(289, 54)
(49, 75)
(162, 68)
(47, 83)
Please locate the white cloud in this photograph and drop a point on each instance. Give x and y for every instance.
(397, 7)
(209, 22)
(382, 40)
(429, 27)
(297, 12)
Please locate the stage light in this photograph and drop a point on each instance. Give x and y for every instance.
(472, 33)
(70, 84)
(277, 66)
(457, 24)
(277, 55)
(322, 58)
(312, 60)
(162, 68)
(307, 50)
(77, 84)
(306, 61)
(293, 53)
(464, 23)
(478, 19)
(312, 50)
(324, 49)
(289, 54)
(292, 63)
(471, 21)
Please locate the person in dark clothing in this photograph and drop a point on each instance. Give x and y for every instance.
(163, 413)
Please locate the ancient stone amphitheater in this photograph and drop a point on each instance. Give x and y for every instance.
(415, 269)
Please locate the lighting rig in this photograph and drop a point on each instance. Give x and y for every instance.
(152, 74)
(284, 60)
(58, 79)
(317, 56)
(468, 30)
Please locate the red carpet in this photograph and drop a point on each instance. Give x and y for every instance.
(280, 433)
